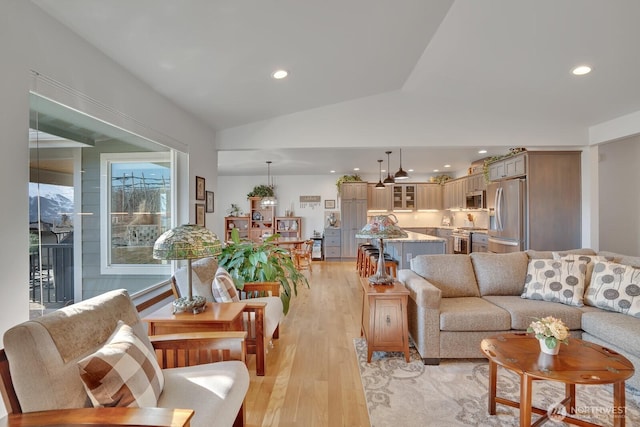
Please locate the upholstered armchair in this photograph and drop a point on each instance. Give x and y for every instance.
(95, 353)
(263, 312)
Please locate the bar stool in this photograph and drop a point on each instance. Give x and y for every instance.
(366, 262)
(360, 259)
(390, 265)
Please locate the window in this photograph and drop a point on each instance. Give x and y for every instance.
(135, 196)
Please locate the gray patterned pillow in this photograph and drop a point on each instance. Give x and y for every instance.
(556, 281)
(615, 287)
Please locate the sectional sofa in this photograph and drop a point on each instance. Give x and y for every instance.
(457, 300)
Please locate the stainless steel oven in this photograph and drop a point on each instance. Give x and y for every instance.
(461, 241)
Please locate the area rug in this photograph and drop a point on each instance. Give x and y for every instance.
(455, 393)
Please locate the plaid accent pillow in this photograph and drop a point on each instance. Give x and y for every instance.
(224, 290)
(123, 372)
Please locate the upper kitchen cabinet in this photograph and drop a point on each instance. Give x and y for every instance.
(353, 190)
(476, 183)
(429, 196)
(510, 167)
(404, 196)
(454, 194)
(379, 199)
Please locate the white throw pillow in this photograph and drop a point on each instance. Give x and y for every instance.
(615, 287)
(123, 372)
(556, 281)
(591, 260)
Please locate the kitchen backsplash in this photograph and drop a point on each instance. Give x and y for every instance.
(434, 219)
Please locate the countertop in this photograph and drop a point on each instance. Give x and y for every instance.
(416, 237)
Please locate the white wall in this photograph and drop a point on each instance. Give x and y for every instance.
(619, 204)
(30, 40)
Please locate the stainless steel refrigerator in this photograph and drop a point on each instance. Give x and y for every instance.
(507, 206)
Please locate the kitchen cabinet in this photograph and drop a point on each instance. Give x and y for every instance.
(404, 196)
(239, 222)
(261, 219)
(454, 194)
(446, 233)
(353, 190)
(332, 243)
(353, 214)
(379, 199)
(476, 183)
(289, 226)
(479, 242)
(429, 196)
(508, 168)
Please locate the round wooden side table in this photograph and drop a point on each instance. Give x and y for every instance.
(580, 362)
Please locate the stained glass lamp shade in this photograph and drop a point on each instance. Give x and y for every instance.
(381, 227)
(188, 241)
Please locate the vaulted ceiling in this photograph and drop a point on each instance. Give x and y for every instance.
(440, 79)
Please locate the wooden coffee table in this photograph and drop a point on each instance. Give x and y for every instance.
(580, 362)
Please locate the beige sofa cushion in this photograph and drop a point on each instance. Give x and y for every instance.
(500, 274)
(472, 314)
(549, 254)
(452, 274)
(524, 311)
(614, 328)
(204, 270)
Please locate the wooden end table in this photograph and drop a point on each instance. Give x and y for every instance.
(580, 362)
(216, 317)
(384, 318)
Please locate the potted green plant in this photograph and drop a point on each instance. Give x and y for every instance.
(347, 178)
(261, 191)
(247, 261)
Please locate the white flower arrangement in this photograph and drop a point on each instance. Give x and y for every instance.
(551, 330)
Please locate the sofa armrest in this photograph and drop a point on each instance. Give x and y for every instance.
(195, 348)
(423, 310)
(160, 417)
(423, 292)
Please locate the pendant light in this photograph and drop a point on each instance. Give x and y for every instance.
(380, 185)
(269, 201)
(401, 174)
(389, 179)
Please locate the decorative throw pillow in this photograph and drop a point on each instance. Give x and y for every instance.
(615, 287)
(199, 287)
(123, 372)
(224, 290)
(591, 260)
(557, 281)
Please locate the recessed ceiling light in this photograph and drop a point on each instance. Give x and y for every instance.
(409, 170)
(356, 169)
(581, 70)
(332, 171)
(447, 166)
(280, 74)
(482, 152)
(436, 170)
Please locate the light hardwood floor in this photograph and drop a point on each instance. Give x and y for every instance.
(312, 377)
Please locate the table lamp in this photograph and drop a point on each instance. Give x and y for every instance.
(381, 227)
(188, 241)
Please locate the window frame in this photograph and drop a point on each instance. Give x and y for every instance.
(106, 160)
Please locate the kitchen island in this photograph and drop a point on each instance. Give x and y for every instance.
(403, 249)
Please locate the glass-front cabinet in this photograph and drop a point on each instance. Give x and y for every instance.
(404, 196)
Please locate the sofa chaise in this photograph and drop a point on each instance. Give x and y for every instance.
(456, 301)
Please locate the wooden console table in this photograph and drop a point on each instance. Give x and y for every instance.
(384, 318)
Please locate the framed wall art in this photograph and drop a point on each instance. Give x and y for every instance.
(209, 204)
(200, 193)
(329, 204)
(200, 214)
